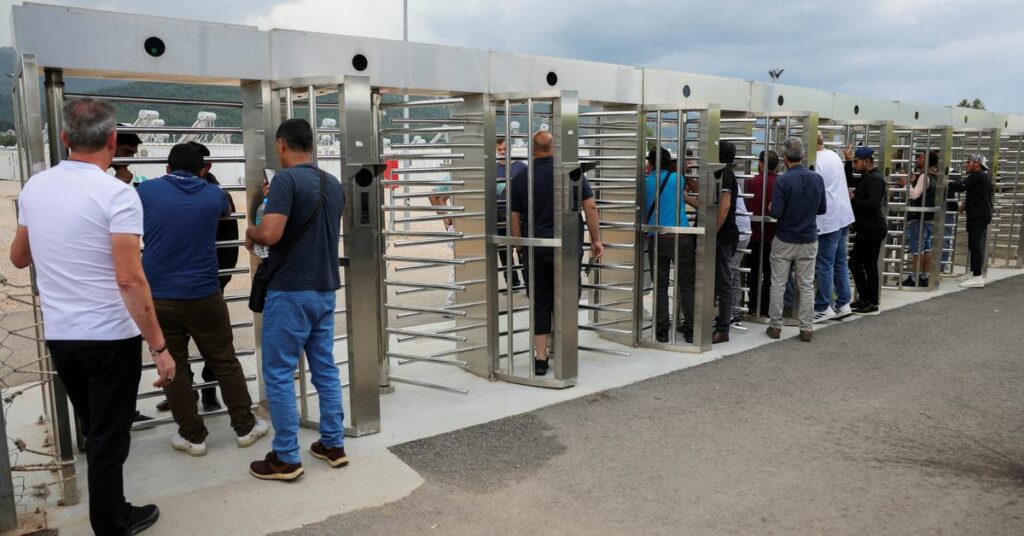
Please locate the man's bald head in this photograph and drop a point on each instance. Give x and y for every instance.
(543, 144)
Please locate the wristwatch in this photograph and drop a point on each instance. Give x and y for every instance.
(157, 351)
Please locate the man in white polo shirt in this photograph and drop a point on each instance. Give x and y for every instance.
(833, 231)
(81, 229)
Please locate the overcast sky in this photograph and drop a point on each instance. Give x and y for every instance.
(933, 51)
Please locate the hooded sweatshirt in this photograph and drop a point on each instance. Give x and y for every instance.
(180, 216)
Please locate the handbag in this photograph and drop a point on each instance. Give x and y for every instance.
(265, 271)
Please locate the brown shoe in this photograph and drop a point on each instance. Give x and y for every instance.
(774, 332)
(272, 468)
(806, 336)
(719, 336)
(334, 456)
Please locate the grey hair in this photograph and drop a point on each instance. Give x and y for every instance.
(821, 138)
(88, 123)
(793, 149)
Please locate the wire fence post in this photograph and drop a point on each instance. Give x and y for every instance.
(8, 509)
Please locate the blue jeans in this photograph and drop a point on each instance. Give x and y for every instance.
(831, 270)
(293, 322)
(915, 243)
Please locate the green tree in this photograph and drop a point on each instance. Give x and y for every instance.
(975, 104)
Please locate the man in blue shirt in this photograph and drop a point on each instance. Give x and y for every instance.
(300, 303)
(542, 204)
(797, 200)
(180, 215)
(664, 206)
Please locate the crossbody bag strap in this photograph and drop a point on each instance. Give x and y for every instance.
(661, 191)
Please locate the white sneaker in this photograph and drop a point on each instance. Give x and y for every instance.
(974, 282)
(259, 430)
(188, 447)
(844, 311)
(965, 277)
(827, 314)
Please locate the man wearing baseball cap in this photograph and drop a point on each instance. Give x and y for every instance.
(978, 186)
(869, 223)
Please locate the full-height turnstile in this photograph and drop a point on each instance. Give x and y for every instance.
(877, 135)
(433, 268)
(913, 147)
(1007, 240)
(342, 147)
(966, 142)
(511, 325)
(610, 139)
(752, 134)
(692, 136)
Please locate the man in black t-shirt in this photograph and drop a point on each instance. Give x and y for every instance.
(544, 227)
(301, 299)
(728, 237)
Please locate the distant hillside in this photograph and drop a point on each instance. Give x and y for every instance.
(173, 115)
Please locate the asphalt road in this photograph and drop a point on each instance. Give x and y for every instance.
(911, 422)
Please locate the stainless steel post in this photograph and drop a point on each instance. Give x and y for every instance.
(260, 115)
(363, 221)
(568, 203)
(54, 84)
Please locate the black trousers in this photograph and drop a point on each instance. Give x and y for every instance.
(102, 381)
(864, 264)
(685, 273)
(543, 288)
(723, 285)
(977, 234)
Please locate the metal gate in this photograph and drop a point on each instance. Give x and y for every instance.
(693, 135)
(433, 267)
(338, 109)
(509, 321)
(1006, 236)
(609, 140)
(877, 135)
(754, 134)
(907, 218)
(966, 142)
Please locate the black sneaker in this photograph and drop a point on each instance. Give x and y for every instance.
(870, 310)
(334, 456)
(272, 468)
(923, 281)
(540, 368)
(210, 402)
(858, 305)
(141, 518)
(662, 336)
(910, 281)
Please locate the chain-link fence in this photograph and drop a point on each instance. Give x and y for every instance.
(33, 473)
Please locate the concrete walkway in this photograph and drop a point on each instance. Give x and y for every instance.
(911, 422)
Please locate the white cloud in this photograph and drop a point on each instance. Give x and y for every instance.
(935, 51)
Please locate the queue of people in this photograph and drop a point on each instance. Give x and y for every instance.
(797, 243)
(103, 295)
